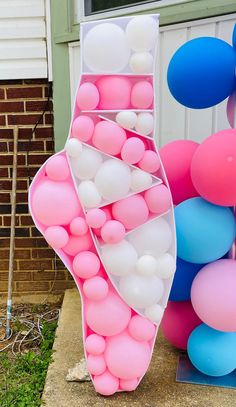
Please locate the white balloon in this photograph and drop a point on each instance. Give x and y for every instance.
(86, 164)
(141, 33)
(141, 62)
(140, 180)
(89, 195)
(152, 238)
(113, 179)
(166, 266)
(119, 259)
(146, 265)
(145, 123)
(73, 147)
(126, 119)
(141, 292)
(155, 313)
(105, 48)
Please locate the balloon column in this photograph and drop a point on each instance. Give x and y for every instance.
(201, 314)
(104, 205)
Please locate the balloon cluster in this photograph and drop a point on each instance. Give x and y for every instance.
(201, 313)
(104, 205)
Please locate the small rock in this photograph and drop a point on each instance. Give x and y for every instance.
(79, 373)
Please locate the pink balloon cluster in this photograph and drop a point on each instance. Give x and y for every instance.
(207, 170)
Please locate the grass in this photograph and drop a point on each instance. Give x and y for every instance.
(22, 377)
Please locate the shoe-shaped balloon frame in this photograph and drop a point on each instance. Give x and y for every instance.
(103, 203)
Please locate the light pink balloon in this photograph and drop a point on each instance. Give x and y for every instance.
(128, 385)
(131, 211)
(113, 232)
(109, 316)
(96, 218)
(142, 95)
(87, 96)
(150, 162)
(109, 137)
(213, 295)
(127, 358)
(86, 264)
(133, 150)
(77, 244)
(57, 168)
(95, 288)
(114, 92)
(55, 203)
(82, 128)
(56, 236)
(96, 364)
(158, 199)
(95, 344)
(106, 384)
(141, 328)
(78, 226)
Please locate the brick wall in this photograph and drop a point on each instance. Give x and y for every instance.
(23, 103)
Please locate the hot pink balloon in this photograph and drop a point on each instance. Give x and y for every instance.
(158, 199)
(114, 92)
(213, 295)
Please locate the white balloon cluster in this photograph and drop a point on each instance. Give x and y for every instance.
(140, 264)
(142, 122)
(102, 179)
(108, 48)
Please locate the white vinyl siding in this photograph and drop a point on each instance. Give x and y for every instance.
(176, 121)
(24, 33)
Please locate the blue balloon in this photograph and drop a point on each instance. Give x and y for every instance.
(205, 232)
(184, 276)
(202, 72)
(212, 352)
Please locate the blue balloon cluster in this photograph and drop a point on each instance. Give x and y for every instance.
(202, 72)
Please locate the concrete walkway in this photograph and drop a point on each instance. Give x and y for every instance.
(158, 388)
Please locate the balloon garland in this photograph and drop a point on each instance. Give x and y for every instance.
(201, 313)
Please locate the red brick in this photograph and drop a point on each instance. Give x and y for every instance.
(35, 81)
(6, 107)
(6, 184)
(7, 159)
(17, 276)
(5, 197)
(25, 133)
(43, 253)
(32, 286)
(2, 95)
(44, 132)
(3, 146)
(4, 286)
(20, 119)
(7, 134)
(22, 197)
(35, 265)
(50, 145)
(27, 242)
(38, 105)
(7, 220)
(2, 120)
(26, 220)
(4, 264)
(3, 172)
(32, 145)
(63, 285)
(1, 220)
(24, 92)
(48, 118)
(38, 158)
(48, 275)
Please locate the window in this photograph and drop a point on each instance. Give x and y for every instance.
(96, 6)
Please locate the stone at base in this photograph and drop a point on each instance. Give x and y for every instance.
(78, 373)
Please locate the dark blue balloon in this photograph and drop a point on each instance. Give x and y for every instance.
(202, 72)
(184, 276)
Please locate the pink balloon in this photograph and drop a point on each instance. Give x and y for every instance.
(55, 203)
(77, 244)
(96, 218)
(78, 226)
(56, 236)
(150, 162)
(114, 92)
(87, 96)
(213, 168)
(213, 295)
(86, 264)
(95, 344)
(127, 358)
(95, 288)
(178, 322)
(107, 211)
(109, 316)
(133, 150)
(109, 137)
(57, 168)
(128, 385)
(142, 95)
(113, 232)
(176, 158)
(158, 199)
(131, 211)
(106, 384)
(231, 110)
(82, 128)
(96, 364)
(141, 328)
